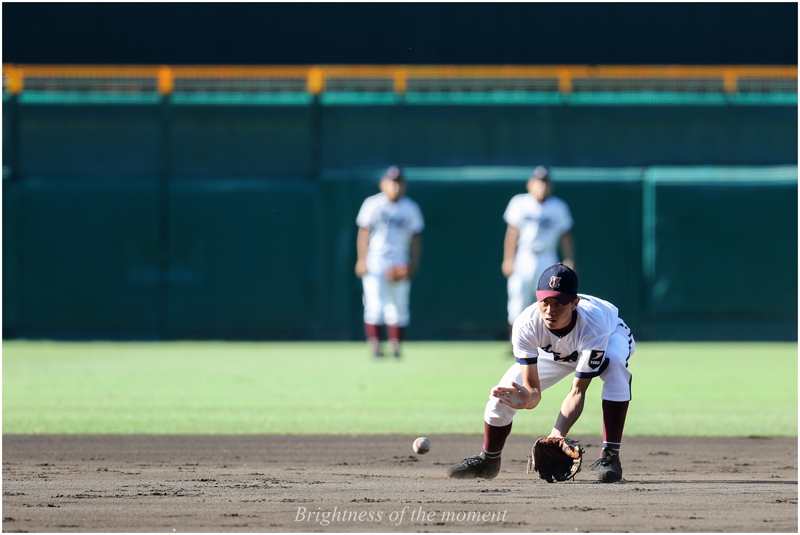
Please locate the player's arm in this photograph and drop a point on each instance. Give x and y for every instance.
(510, 250)
(414, 254)
(524, 396)
(567, 250)
(362, 243)
(571, 408)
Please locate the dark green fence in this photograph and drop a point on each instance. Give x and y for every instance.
(167, 219)
(686, 254)
(55, 137)
(720, 253)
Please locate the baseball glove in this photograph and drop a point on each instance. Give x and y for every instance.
(397, 273)
(556, 459)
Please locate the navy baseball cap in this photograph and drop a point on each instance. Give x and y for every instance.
(540, 173)
(393, 173)
(558, 282)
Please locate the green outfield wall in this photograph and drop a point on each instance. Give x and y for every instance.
(232, 218)
(115, 137)
(686, 254)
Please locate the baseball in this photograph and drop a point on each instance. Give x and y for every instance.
(422, 445)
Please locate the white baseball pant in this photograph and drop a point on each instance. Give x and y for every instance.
(385, 302)
(528, 267)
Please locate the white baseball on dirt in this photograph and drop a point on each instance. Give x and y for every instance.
(422, 445)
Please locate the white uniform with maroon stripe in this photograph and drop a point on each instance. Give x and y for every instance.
(598, 345)
(540, 225)
(392, 225)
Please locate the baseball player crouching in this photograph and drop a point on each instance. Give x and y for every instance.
(563, 333)
(538, 223)
(389, 245)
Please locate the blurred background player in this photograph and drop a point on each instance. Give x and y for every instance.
(538, 223)
(563, 333)
(389, 246)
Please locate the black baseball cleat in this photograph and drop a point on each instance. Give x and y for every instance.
(475, 467)
(610, 469)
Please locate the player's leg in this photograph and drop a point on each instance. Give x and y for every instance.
(616, 397)
(528, 267)
(616, 386)
(373, 311)
(498, 418)
(536, 266)
(518, 287)
(515, 298)
(496, 428)
(396, 312)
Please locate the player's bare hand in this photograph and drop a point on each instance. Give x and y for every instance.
(361, 268)
(508, 268)
(517, 397)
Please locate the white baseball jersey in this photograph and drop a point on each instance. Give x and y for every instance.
(392, 225)
(540, 224)
(583, 347)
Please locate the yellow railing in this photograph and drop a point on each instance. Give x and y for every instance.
(317, 77)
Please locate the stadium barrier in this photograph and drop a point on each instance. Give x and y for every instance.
(171, 202)
(389, 83)
(273, 259)
(153, 141)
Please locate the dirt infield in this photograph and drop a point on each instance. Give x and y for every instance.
(61, 483)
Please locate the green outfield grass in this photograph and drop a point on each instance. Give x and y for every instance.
(709, 389)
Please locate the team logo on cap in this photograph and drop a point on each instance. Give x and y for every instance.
(555, 282)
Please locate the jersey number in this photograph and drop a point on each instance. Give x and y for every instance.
(572, 357)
